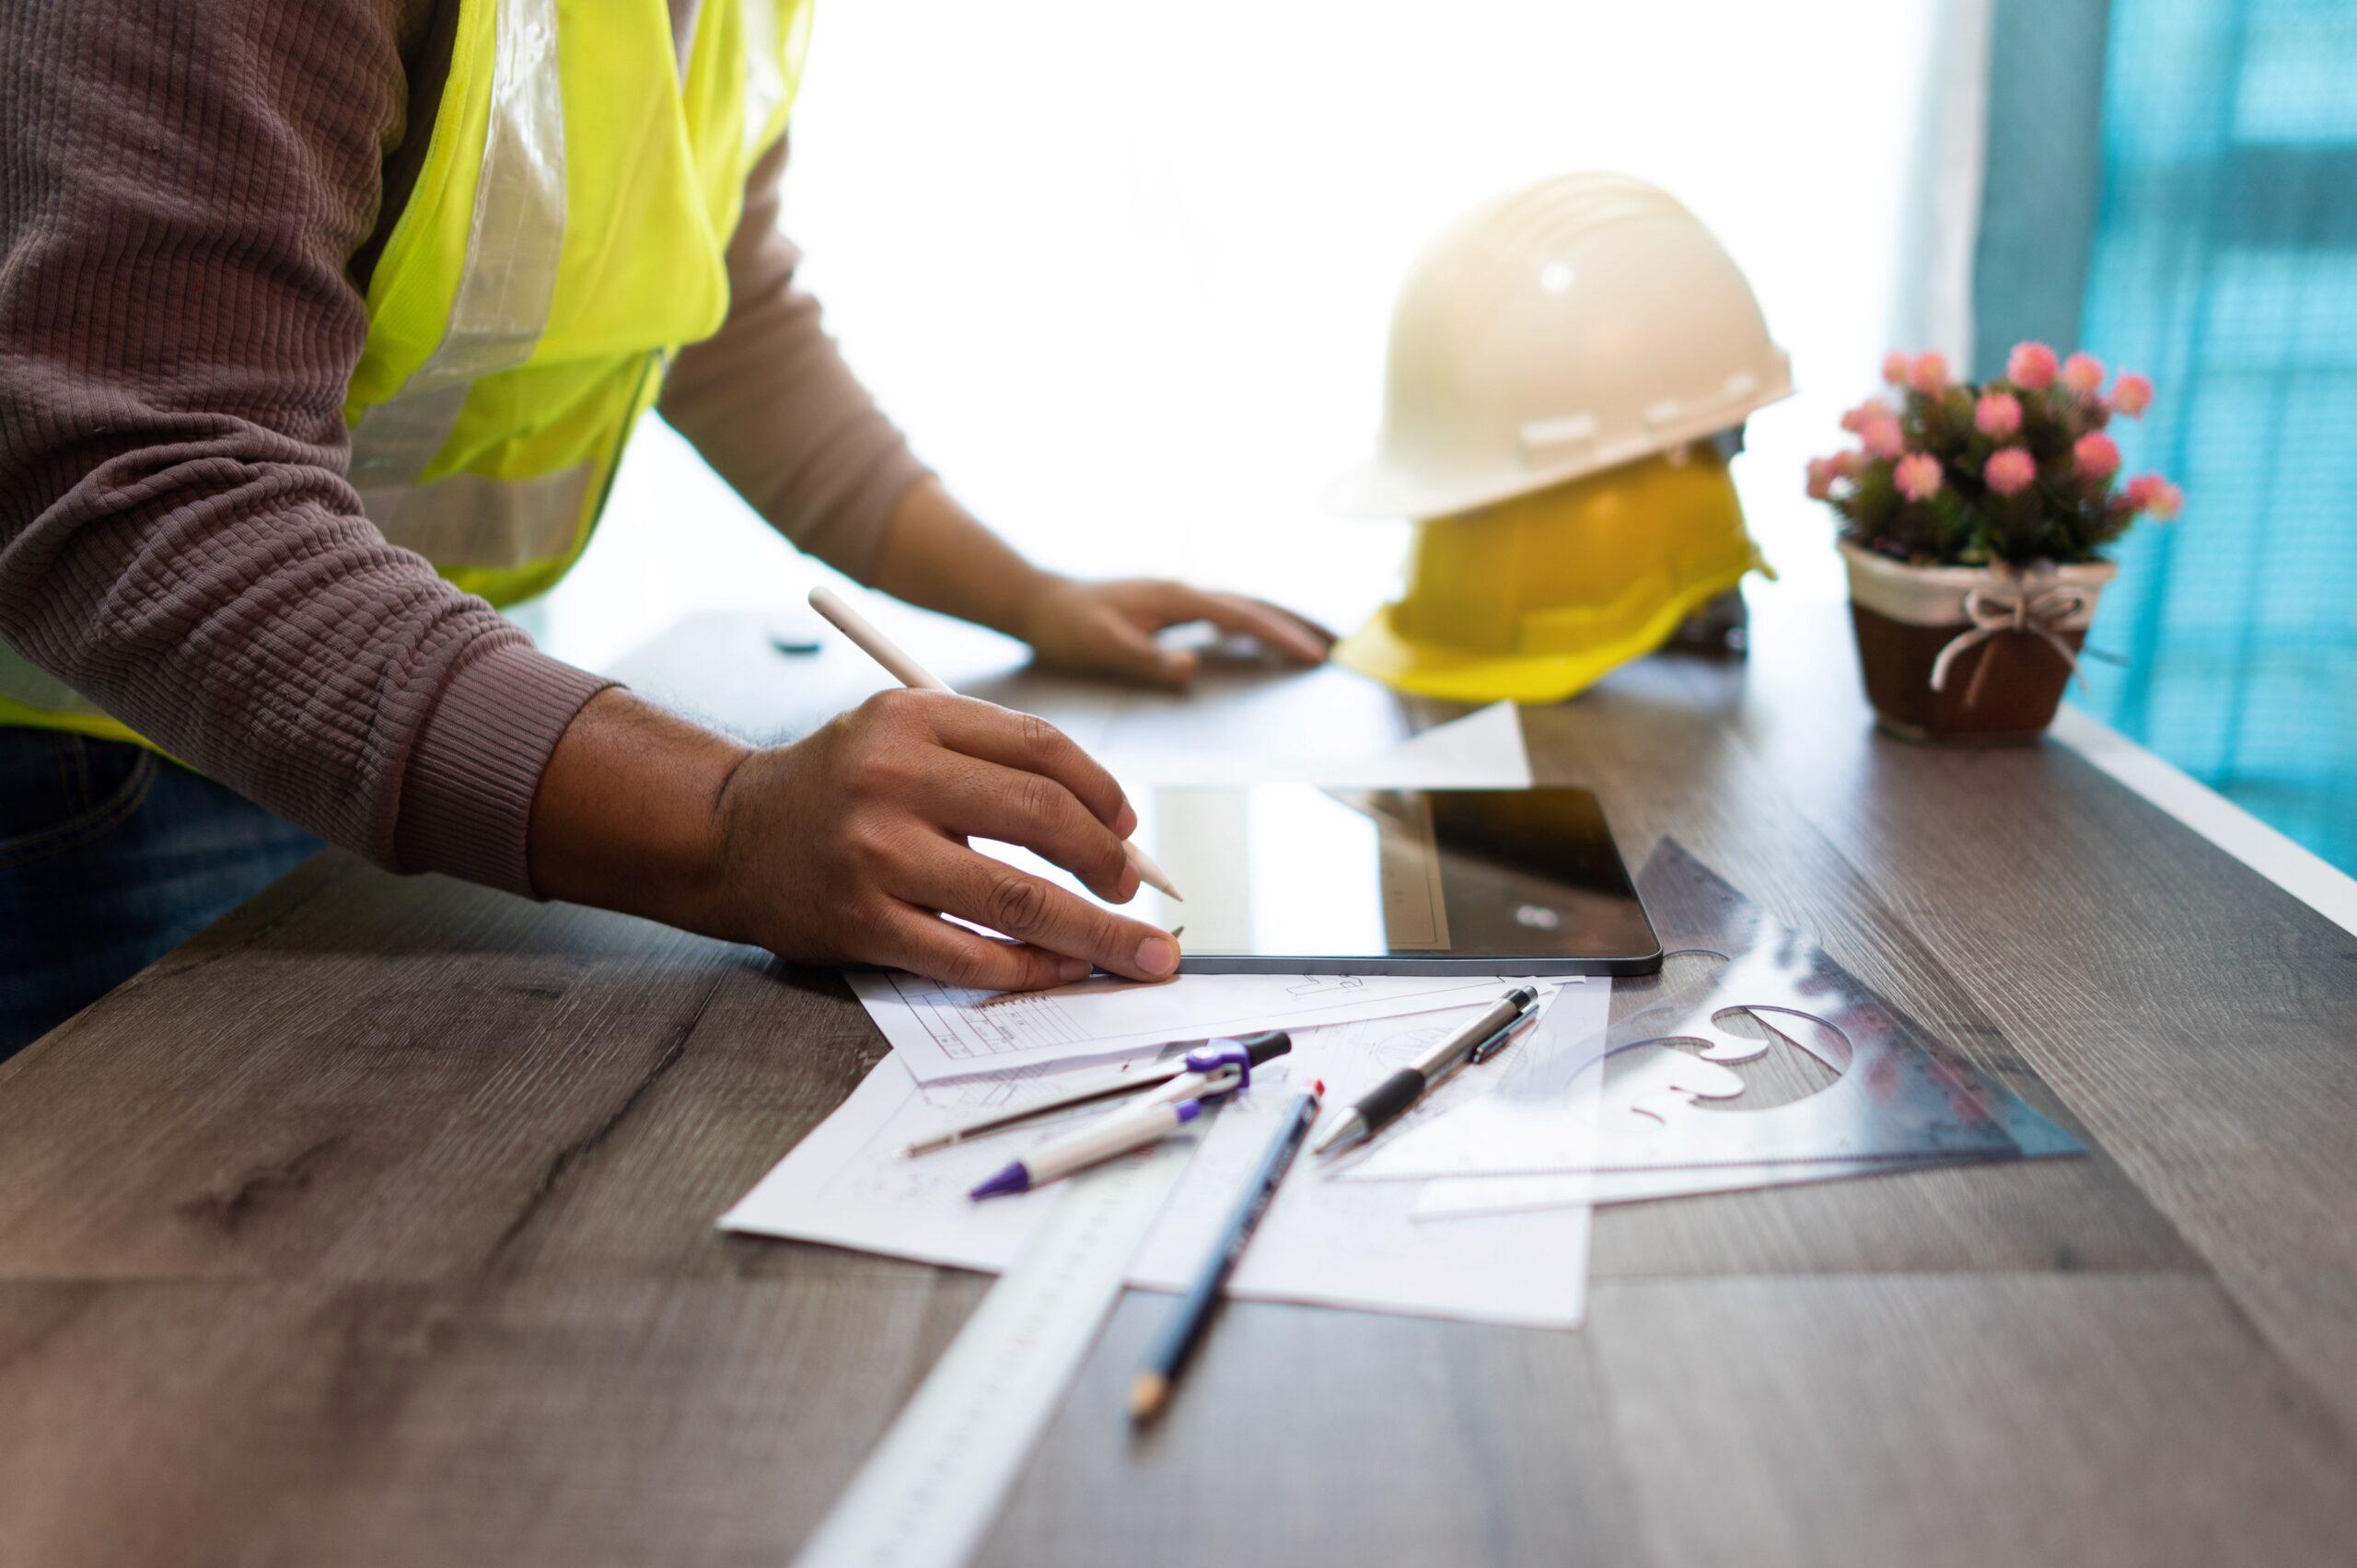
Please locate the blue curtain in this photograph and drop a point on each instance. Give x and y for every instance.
(2212, 245)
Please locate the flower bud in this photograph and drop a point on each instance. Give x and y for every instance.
(2096, 456)
(1997, 416)
(1918, 476)
(2030, 365)
(2010, 471)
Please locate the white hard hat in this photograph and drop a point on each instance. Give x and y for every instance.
(1572, 325)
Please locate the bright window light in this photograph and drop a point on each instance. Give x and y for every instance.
(1124, 272)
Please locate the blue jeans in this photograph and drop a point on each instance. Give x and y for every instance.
(110, 857)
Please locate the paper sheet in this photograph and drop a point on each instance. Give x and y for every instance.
(1482, 750)
(1324, 1242)
(942, 1033)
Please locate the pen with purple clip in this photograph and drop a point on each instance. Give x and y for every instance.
(1212, 1071)
(1162, 1076)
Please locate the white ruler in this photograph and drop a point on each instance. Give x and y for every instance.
(933, 1486)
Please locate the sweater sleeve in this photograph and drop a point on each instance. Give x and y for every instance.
(183, 184)
(770, 403)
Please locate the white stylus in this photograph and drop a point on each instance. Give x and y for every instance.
(914, 676)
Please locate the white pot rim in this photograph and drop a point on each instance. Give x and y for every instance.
(1934, 596)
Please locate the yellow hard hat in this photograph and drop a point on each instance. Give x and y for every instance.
(1560, 361)
(1536, 598)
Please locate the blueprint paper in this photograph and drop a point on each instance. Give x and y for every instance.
(945, 1033)
(1324, 1242)
(1331, 1243)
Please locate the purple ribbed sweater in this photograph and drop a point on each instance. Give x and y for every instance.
(189, 193)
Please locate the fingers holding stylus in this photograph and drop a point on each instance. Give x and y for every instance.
(1024, 742)
(906, 779)
(925, 943)
(847, 846)
(972, 886)
(983, 800)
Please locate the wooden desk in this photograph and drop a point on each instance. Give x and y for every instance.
(375, 1225)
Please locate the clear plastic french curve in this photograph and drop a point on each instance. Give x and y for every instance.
(1897, 1094)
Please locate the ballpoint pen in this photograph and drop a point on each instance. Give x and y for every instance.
(1183, 1329)
(909, 673)
(1476, 1041)
(1166, 1077)
(1129, 1128)
(1132, 1127)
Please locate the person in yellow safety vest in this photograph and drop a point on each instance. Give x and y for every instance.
(323, 324)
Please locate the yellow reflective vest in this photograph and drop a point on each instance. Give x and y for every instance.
(566, 236)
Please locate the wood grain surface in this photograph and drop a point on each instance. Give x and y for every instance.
(374, 1226)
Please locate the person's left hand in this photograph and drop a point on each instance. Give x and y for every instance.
(1109, 627)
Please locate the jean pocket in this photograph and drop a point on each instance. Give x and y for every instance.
(59, 792)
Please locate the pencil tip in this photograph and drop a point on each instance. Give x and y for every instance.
(1149, 1391)
(1350, 1126)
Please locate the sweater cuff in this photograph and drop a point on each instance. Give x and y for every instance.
(466, 800)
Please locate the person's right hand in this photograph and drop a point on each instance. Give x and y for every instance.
(848, 846)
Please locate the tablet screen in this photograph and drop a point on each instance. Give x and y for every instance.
(1294, 878)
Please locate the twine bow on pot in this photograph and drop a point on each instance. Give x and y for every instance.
(2017, 611)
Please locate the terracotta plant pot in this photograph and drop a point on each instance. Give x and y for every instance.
(1971, 655)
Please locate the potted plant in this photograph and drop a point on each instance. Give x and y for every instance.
(1973, 522)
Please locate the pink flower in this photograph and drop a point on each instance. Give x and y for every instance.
(2096, 456)
(2149, 493)
(2131, 394)
(1882, 437)
(1854, 420)
(2030, 365)
(1848, 464)
(1997, 416)
(2083, 373)
(1893, 367)
(1929, 374)
(1820, 478)
(2010, 471)
(1918, 476)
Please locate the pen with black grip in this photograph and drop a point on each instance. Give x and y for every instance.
(1383, 1104)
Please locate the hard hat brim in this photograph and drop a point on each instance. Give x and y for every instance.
(1376, 488)
(1380, 650)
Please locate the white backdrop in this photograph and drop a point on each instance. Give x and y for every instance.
(1124, 271)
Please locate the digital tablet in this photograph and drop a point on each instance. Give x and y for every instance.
(1294, 879)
